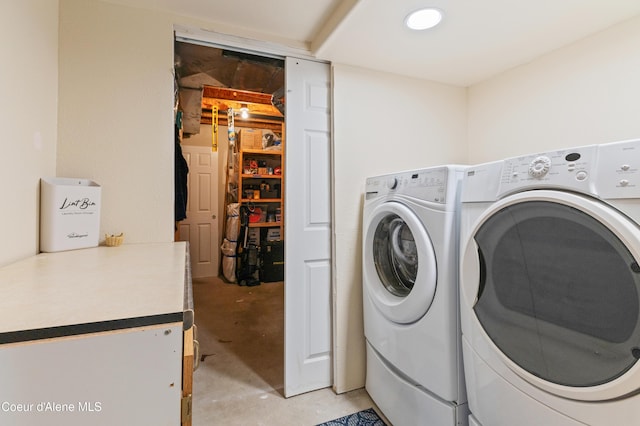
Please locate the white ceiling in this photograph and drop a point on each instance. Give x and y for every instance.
(476, 40)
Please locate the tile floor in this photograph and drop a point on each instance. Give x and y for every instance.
(240, 377)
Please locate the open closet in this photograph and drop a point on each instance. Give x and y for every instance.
(216, 76)
(233, 103)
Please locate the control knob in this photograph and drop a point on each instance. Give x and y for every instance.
(539, 166)
(392, 183)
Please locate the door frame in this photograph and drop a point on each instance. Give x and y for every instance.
(215, 39)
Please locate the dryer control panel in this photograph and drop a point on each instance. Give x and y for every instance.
(426, 184)
(570, 169)
(619, 170)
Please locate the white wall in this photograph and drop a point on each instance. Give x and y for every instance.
(585, 93)
(383, 123)
(28, 117)
(116, 111)
(116, 116)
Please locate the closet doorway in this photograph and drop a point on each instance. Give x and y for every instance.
(211, 82)
(306, 211)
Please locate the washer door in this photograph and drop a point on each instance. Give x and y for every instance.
(557, 292)
(399, 263)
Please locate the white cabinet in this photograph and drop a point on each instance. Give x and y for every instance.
(96, 337)
(122, 377)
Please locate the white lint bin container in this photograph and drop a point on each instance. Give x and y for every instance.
(69, 214)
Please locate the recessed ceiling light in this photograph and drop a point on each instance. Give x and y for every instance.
(423, 19)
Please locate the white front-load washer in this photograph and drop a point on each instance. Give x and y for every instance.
(550, 288)
(410, 296)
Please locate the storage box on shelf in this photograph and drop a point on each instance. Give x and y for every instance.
(250, 138)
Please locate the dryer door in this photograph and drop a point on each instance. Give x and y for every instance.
(557, 292)
(399, 263)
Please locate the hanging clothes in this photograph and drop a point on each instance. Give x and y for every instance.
(181, 172)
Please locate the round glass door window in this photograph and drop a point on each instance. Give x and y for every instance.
(395, 255)
(559, 293)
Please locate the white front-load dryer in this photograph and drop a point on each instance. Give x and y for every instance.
(550, 288)
(410, 296)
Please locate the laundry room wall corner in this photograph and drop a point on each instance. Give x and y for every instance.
(381, 123)
(30, 133)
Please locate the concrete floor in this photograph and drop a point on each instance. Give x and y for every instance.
(240, 378)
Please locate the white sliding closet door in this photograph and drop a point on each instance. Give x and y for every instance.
(307, 226)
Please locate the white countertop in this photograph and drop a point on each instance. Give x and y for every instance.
(92, 285)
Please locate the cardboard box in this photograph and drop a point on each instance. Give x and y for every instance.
(250, 138)
(69, 214)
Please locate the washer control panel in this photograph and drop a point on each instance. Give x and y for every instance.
(571, 169)
(426, 184)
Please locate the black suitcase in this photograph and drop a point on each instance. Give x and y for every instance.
(272, 253)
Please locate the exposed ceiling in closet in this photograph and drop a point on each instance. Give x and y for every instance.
(476, 39)
(209, 77)
(201, 65)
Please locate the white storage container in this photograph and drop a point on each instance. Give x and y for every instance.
(69, 214)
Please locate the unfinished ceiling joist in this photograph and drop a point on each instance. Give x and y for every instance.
(271, 123)
(261, 112)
